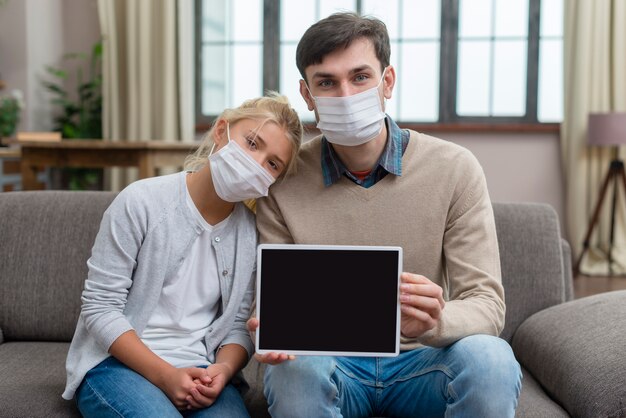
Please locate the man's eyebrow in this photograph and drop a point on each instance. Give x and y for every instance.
(321, 74)
(264, 143)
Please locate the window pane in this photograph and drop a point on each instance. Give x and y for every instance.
(214, 79)
(385, 10)
(213, 18)
(421, 19)
(290, 82)
(295, 18)
(509, 79)
(511, 18)
(328, 7)
(475, 18)
(473, 87)
(246, 74)
(550, 100)
(552, 18)
(231, 53)
(418, 82)
(247, 21)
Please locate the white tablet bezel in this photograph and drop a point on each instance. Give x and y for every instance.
(261, 247)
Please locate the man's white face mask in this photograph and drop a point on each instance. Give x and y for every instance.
(351, 120)
(236, 175)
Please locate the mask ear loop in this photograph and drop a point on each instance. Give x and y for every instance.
(309, 90)
(227, 136)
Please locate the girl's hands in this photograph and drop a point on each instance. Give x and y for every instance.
(207, 390)
(178, 384)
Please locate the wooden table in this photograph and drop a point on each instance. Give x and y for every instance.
(148, 156)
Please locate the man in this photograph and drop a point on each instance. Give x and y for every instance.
(365, 181)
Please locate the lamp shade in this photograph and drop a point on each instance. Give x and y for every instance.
(607, 129)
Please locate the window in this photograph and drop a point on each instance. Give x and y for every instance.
(456, 60)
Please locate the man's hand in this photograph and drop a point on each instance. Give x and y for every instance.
(269, 358)
(421, 303)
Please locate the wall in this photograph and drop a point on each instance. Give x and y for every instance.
(519, 167)
(35, 34)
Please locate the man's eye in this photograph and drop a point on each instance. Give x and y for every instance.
(325, 83)
(361, 78)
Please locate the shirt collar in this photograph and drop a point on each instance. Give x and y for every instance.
(390, 160)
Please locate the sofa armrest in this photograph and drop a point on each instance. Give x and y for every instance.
(531, 257)
(576, 351)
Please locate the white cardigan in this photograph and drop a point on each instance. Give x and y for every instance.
(144, 237)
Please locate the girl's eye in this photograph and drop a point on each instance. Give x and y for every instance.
(273, 165)
(251, 143)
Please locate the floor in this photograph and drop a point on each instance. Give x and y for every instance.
(590, 285)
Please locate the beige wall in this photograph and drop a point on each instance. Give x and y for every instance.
(519, 167)
(35, 34)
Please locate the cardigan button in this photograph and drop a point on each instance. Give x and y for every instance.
(217, 239)
(225, 273)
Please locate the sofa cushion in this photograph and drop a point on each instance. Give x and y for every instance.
(47, 239)
(576, 351)
(254, 397)
(529, 240)
(534, 403)
(32, 378)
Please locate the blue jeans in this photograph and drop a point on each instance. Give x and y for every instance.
(113, 390)
(477, 376)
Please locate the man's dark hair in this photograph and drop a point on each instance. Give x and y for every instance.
(339, 30)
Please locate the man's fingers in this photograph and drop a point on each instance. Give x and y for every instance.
(421, 286)
(252, 324)
(429, 305)
(421, 316)
(413, 278)
(273, 358)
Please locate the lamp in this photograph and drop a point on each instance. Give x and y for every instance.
(606, 129)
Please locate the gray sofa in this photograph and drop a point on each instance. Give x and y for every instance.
(573, 352)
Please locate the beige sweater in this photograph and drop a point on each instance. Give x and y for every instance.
(438, 211)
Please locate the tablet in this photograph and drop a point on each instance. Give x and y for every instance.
(328, 300)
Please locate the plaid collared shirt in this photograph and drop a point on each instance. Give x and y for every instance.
(390, 160)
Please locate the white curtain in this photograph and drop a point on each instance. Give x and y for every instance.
(595, 81)
(148, 73)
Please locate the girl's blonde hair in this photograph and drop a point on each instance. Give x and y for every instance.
(274, 108)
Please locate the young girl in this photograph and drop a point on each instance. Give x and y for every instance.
(162, 329)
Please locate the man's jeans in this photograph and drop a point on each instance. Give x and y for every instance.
(113, 390)
(477, 376)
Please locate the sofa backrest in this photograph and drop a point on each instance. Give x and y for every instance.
(535, 273)
(45, 240)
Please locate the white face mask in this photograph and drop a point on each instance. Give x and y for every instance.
(236, 175)
(350, 120)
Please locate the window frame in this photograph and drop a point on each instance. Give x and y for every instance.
(449, 119)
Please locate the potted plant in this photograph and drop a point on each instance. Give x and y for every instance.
(10, 108)
(80, 115)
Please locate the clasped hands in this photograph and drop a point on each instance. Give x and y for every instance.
(421, 306)
(194, 387)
